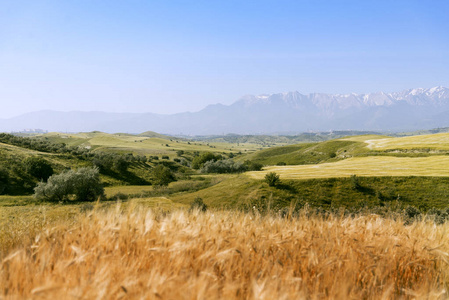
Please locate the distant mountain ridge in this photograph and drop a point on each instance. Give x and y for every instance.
(283, 112)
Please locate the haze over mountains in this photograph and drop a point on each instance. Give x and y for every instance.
(277, 113)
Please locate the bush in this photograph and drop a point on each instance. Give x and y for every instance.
(162, 175)
(81, 185)
(272, 179)
(38, 167)
(223, 166)
(355, 185)
(4, 180)
(200, 160)
(281, 163)
(120, 164)
(198, 204)
(253, 166)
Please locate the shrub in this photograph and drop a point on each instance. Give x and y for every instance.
(281, 163)
(253, 166)
(165, 157)
(223, 166)
(198, 204)
(200, 160)
(412, 212)
(272, 179)
(4, 180)
(38, 167)
(162, 175)
(81, 185)
(121, 164)
(355, 185)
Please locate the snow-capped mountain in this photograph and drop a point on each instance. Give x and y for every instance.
(283, 112)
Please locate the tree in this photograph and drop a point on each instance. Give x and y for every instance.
(4, 179)
(82, 185)
(272, 179)
(120, 164)
(38, 167)
(252, 165)
(223, 166)
(162, 175)
(198, 161)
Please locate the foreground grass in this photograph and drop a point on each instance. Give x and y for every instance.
(364, 166)
(137, 253)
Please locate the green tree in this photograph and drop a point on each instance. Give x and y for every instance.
(252, 165)
(82, 185)
(162, 175)
(4, 180)
(120, 164)
(38, 167)
(200, 160)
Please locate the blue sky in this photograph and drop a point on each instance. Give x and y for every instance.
(174, 56)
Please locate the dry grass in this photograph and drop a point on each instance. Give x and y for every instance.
(139, 254)
(364, 166)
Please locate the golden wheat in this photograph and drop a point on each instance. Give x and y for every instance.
(140, 254)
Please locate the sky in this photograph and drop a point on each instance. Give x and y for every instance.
(175, 56)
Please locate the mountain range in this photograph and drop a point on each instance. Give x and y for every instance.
(290, 112)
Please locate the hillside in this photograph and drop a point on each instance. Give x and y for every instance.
(354, 146)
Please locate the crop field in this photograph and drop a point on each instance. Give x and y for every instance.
(139, 253)
(364, 166)
(439, 141)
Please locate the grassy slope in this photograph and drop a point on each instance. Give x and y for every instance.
(12, 157)
(239, 191)
(307, 153)
(364, 145)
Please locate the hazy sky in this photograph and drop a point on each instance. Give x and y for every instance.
(172, 56)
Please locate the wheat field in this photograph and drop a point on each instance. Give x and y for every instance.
(437, 141)
(138, 253)
(437, 165)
